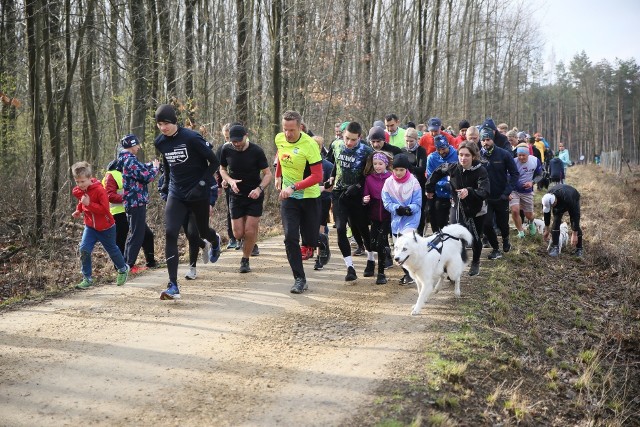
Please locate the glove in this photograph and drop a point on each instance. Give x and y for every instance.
(164, 192)
(353, 191)
(403, 210)
(327, 185)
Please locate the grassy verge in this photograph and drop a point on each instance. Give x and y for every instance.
(542, 341)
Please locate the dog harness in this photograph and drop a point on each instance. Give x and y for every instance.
(439, 240)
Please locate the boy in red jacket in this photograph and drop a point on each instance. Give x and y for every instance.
(99, 225)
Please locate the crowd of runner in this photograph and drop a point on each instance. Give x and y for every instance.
(377, 184)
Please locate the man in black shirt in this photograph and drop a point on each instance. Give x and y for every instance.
(189, 165)
(240, 165)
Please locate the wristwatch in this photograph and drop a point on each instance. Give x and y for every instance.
(261, 189)
(293, 187)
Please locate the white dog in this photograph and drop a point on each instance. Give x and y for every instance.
(539, 225)
(430, 260)
(564, 238)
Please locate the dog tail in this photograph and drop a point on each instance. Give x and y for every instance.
(463, 254)
(459, 231)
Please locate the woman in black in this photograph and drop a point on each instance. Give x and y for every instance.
(470, 187)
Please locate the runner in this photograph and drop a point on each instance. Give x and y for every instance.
(298, 173)
(241, 163)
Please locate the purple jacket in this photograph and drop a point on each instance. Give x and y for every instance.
(373, 187)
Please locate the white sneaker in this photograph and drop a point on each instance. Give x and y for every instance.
(191, 275)
(205, 253)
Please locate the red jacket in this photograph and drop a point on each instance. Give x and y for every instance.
(97, 214)
(427, 141)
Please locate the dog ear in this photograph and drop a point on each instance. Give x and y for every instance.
(399, 235)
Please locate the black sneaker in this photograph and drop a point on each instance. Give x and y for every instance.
(554, 251)
(407, 280)
(318, 265)
(388, 260)
(485, 243)
(495, 254)
(244, 265)
(239, 244)
(474, 270)
(381, 279)
(370, 269)
(359, 251)
(579, 252)
(324, 251)
(351, 275)
(255, 251)
(299, 286)
(506, 246)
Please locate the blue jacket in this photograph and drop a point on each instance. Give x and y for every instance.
(396, 194)
(135, 177)
(443, 188)
(502, 171)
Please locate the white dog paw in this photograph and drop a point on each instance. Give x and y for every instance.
(415, 312)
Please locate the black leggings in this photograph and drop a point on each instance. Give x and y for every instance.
(195, 242)
(355, 215)
(175, 213)
(379, 241)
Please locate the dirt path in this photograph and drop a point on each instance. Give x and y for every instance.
(236, 350)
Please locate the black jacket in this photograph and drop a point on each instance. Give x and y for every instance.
(475, 180)
(502, 171)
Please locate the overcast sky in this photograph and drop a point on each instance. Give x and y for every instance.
(603, 29)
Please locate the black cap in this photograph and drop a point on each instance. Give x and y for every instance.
(237, 132)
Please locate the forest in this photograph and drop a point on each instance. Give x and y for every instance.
(76, 75)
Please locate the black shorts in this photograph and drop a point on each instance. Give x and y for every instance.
(241, 206)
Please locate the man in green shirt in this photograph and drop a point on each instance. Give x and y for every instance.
(298, 173)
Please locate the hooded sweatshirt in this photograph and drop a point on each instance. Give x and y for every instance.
(96, 214)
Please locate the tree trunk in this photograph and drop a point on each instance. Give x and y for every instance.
(242, 107)
(434, 53)
(188, 53)
(114, 72)
(275, 33)
(138, 62)
(33, 57)
(164, 16)
(8, 82)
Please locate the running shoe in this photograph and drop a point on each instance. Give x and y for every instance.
(205, 252)
(172, 292)
(191, 275)
(85, 284)
(122, 277)
(214, 252)
(232, 243)
(244, 265)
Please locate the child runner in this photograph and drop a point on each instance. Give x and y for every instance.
(402, 197)
(99, 225)
(377, 171)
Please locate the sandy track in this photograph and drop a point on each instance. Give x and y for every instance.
(236, 350)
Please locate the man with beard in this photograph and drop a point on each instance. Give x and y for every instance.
(241, 163)
(503, 178)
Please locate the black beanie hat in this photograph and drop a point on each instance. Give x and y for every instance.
(166, 113)
(463, 125)
(401, 161)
